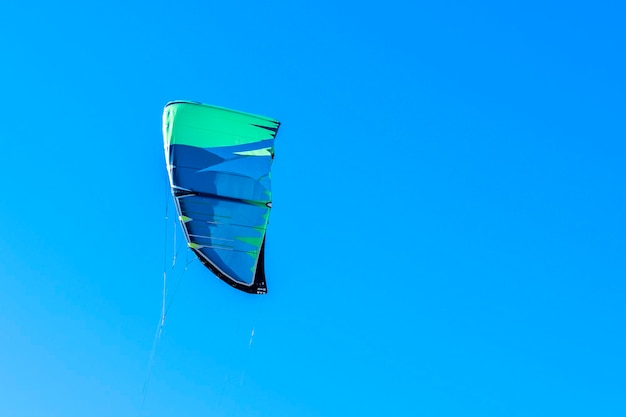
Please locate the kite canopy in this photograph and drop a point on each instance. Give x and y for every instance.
(219, 161)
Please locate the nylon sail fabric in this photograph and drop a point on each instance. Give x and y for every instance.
(219, 162)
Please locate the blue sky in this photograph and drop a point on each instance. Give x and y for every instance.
(447, 237)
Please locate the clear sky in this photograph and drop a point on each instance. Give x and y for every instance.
(448, 234)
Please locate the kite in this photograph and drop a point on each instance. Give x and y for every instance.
(219, 166)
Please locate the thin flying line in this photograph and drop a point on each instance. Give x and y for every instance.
(159, 329)
(180, 279)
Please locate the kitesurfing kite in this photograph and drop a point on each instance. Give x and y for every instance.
(219, 161)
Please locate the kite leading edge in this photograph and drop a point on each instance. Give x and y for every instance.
(219, 161)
